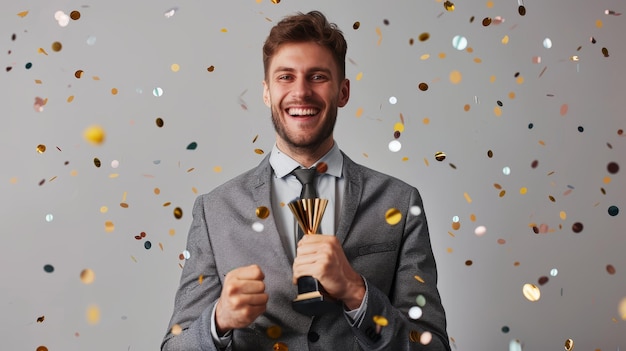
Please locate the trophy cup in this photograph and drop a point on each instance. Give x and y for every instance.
(312, 299)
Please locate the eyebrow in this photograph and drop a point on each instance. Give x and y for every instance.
(312, 69)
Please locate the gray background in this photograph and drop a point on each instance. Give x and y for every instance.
(135, 45)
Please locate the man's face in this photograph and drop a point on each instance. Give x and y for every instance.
(304, 90)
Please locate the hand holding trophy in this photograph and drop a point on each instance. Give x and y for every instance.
(308, 210)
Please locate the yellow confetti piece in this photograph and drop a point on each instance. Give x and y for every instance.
(425, 57)
(426, 161)
(380, 35)
(511, 95)
(478, 60)
(398, 127)
(194, 190)
(505, 40)
(451, 234)
(359, 76)
(113, 175)
(393, 216)
(176, 329)
(114, 91)
(473, 217)
(359, 112)
(38, 81)
(426, 120)
(531, 292)
(23, 14)
(418, 278)
(492, 79)
(497, 111)
(599, 23)
(93, 314)
(109, 226)
(380, 321)
(606, 180)
(224, 30)
(404, 159)
(70, 98)
(455, 77)
(442, 55)
(87, 276)
(467, 198)
(217, 169)
(449, 250)
(42, 51)
(519, 80)
(133, 258)
(523, 190)
(172, 232)
(95, 78)
(175, 67)
(622, 309)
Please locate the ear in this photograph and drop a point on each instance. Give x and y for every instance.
(266, 95)
(344, 93)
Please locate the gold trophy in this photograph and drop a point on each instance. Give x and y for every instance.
(312, 299)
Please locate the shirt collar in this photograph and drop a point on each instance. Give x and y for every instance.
(283, 165)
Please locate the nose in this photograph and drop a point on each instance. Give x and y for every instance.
(301, 88)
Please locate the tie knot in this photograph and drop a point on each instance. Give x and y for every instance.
(307, 179)
(305, 175)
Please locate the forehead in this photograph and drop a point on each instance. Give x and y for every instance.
(302, 56)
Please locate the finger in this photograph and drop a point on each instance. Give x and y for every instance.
(252, 272)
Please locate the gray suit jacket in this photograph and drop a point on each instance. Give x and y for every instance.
(396, 261)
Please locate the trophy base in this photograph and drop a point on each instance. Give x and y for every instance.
(313, 303)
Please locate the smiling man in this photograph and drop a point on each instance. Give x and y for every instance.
(237, 287)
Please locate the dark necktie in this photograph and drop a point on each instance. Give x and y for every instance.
(307, 179)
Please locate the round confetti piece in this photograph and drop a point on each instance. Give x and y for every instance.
(521, 10)
(420, 300)
(612, 167)
(554, 272)
(531, 292)
(480, 230)
(569, 345)
(414, 336)
(57, 46)
(280, 346)
(147, 245)
(178, 213)
(440, 156)
(542, 280)
(469, 263)
(115, 163)
(547, 43)
(159, 122)
(258, 227)
(506, 170)
(505, 329)
(262, 212)
(610, 269)
(211, 68)
(175, 67)
(157, 92)
(176, 329)
(415, 312)
(322, 167)
(422, 86)
(424, 36)
(94, 135)
(41, 348)
(192, 146)
(87, 276)
(380, 321)
(395, 146)
(486, 21)
(426, 338)
(415, 210)
(613, 211)
(48, 268)
(91, 40)
(274, 332)
(28, 65)
(49, 217)
(356, 25)
(109, 226)
(93, 314)
(393, 100)
(577, 227)
(459, 42)
(75, 15)
(393, 216)
(455, 77)
(448, 5)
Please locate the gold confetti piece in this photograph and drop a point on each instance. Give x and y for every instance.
(523, 190)
(455, 77)
(467, 198)
(452, 234)
(610, 269)
(41, 319)
(262, 212)
(449, 250)
(280, 346)
(224, 30)
(109, 226)
(94, 134)
(599, 23)
(176, 329)
(359, 76)
(359, 112)
(134, 259)
(95, 78)
(275, 1)
(93, 314)
(217, 169)
(123, 205)
(356, 25)
(622, 309)
(531, 292)
(161, 246)
(456, 225)
(70, 98)
(380, 321)
(478, 60)
(191, 169)
(165, 204)
(424, 36)
(75, 15)
(172, 232)
(505, 40)
(87, 276)
(57, 46)
(200, 279)
(41, 148)
(114, 91)
(393, 216)
(23, 14)
(178, 213)
(259, 151)
(42, 51)
(569, 345)
(425, 57)
(38, 81)
(497, 111)
(175, 67)
(418, 278)
(440, 156)
(449, 6)
(113, 175)
(194, 190)
(211, 68)
(41, 348)
(426, 120)
(274, 332)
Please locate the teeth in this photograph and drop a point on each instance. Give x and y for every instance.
(302, 111)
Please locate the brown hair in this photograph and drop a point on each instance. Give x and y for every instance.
(309, 27)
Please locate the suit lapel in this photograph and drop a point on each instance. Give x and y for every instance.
(351, 198)
(260, 185)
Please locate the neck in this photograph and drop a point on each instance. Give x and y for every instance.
(306, 156)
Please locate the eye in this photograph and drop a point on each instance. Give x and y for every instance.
(319, 77)
(284, 77)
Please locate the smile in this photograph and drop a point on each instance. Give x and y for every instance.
(304, 112)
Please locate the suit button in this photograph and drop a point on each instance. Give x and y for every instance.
(313, 336)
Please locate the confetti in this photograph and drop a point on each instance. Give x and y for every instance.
(262, 212)
(279, 346)
(395, 146)
(87, 276)
(192, 146)
(448, 5)
(440, 156)
(57, 46)
(178, 213)
(531, 292)
(613, 211)
(93, 314)
(569, 345)
(94, 134)
(547, 43)
(459, 42)
(393, 216)
(274, 332)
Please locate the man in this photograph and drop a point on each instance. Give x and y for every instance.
(375, 260)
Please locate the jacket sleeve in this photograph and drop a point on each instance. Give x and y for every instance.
(415, 275)
(199, 289)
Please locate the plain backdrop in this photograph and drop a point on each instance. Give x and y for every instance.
(532, 136)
